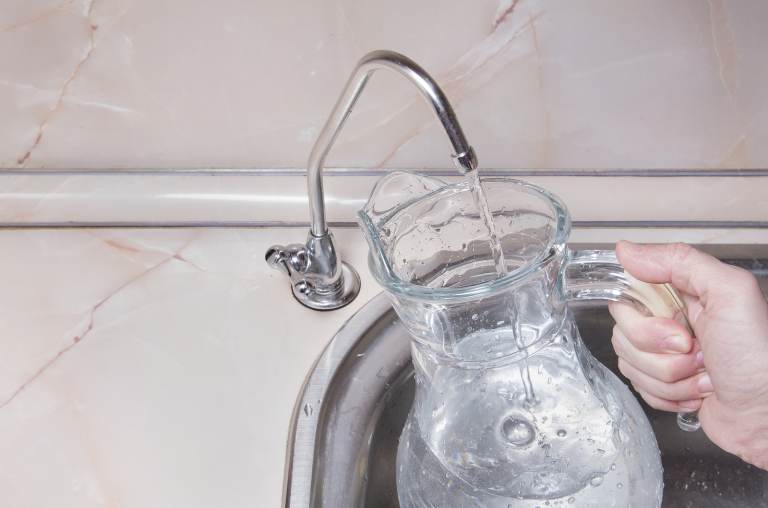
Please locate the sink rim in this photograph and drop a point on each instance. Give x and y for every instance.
(302, 443)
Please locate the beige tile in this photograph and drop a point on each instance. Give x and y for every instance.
(117, 83)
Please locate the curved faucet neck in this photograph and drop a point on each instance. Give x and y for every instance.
(320, 280)
(463, 155)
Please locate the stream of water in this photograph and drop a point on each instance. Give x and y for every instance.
(497, 254)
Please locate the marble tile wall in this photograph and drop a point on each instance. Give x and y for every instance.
(244, 84)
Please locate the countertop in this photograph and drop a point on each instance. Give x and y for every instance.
(154, 367)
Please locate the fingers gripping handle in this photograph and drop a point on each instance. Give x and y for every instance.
(598, 275)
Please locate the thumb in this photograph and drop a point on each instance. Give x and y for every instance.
(686, 268)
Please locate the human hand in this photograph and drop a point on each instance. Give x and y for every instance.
(723, 370)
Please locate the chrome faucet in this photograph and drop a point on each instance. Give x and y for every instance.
(319, 279)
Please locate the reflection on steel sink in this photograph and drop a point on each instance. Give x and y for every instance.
(349, 417)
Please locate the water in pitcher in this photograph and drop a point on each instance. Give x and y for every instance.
(553, 435)
(492, 448)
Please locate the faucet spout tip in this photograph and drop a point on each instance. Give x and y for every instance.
(466, 161)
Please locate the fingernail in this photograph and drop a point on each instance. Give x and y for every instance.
(699, 359)
(677, 344)
(690, 404)
(705, 384)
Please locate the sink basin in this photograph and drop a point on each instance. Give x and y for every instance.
(355, 401)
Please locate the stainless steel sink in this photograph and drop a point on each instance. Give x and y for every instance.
(355, 401)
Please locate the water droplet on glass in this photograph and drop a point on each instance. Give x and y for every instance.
(619, 485)
(571, 499)
(596, 480)
(307, 409)
(613, 467)
(562, 433)
(517, 431)
(474, 317)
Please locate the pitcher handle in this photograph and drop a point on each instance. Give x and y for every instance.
(598, 275)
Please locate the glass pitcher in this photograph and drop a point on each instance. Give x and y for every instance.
(510, 407)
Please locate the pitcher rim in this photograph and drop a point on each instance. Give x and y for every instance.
(385, 275)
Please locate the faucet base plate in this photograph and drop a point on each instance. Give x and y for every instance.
(319, 301)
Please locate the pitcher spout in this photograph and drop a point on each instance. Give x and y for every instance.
(380, 221)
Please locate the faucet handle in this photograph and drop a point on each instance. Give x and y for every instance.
(287, 258)
(319, 279)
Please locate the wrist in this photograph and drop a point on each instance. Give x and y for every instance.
(752, 445)
(743, 432)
